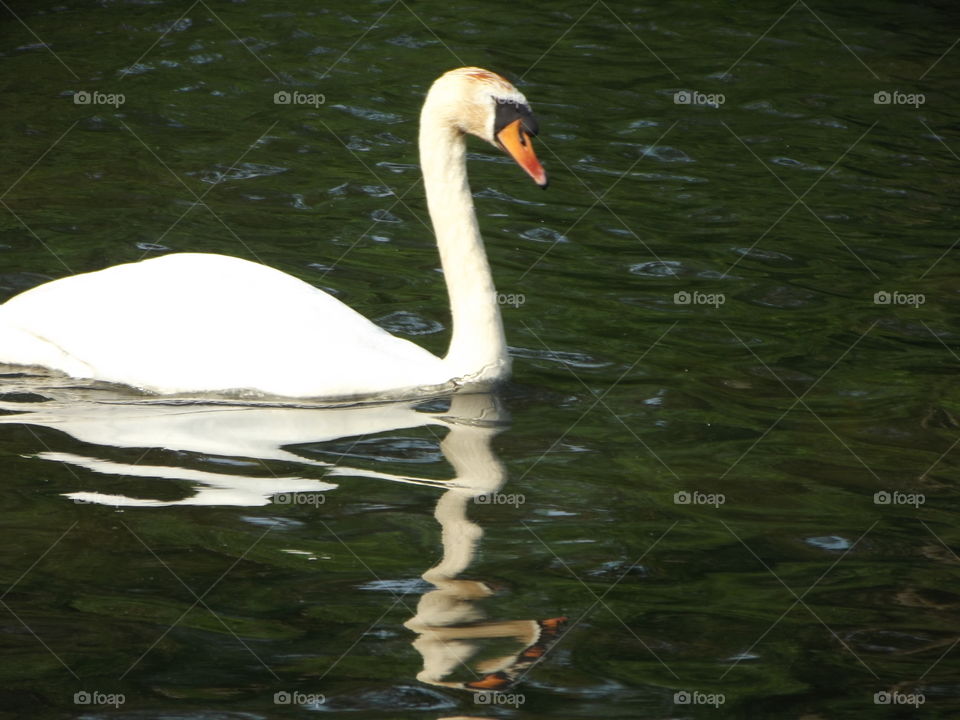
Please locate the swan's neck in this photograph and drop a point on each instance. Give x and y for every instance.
(478, 348)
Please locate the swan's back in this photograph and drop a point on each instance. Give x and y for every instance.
(192, 322)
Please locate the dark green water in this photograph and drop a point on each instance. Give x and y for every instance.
(796, 200)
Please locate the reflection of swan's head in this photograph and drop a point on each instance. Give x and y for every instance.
(479, 102)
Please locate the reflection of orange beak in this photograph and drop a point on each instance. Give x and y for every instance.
(516, 141)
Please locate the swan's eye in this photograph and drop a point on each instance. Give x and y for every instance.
(508, 111)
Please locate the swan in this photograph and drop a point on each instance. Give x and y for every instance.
(188, 323)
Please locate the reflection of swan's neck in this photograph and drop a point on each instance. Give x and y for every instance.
(450, 625)
(477, 471)
(478, 346)
(459, 538)
(473, 420)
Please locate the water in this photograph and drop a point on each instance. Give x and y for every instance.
(692, 484)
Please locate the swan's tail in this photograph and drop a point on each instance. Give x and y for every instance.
(20, 347)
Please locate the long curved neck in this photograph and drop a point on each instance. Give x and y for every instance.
(478, 348)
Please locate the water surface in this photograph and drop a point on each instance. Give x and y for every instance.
(737, 328)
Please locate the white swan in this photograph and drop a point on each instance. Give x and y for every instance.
(202, 323)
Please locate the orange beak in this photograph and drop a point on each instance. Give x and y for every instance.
(516, 141)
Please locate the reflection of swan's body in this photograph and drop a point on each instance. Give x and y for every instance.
(452, 631)
(206, 323)
(206, 437)
(210, 432)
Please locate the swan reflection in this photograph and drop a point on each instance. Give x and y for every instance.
(454, 636)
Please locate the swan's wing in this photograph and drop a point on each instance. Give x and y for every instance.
(195, 322)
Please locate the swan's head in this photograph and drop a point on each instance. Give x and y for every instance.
(477, 101)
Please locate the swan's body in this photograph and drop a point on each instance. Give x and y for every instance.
(198, 323)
